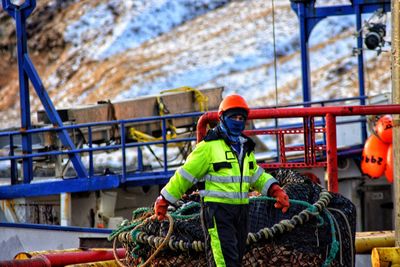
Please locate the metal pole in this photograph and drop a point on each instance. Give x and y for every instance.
(305, 62)
(360, 58)
(62, 258)
(22, 49)
(395, 59)
(331, 153)
(65, 209)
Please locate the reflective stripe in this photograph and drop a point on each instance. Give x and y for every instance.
(216, 245)
(267, 185)
(256, 175)
(170, 198)
(226, 179)
(187, 176)
(228, 195)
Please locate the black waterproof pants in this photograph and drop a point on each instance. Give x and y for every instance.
(226, 228)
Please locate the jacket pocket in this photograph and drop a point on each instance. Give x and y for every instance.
(220, 165)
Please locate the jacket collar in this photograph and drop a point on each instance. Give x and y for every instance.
(216, 133)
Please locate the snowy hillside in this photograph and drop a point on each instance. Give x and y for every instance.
(86, 51)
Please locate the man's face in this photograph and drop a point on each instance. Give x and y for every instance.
(237, 117)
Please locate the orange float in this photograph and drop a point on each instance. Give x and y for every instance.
(389, 164)
(374, 156)
(384, 129)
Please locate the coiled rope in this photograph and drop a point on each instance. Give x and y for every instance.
(159, 241)
(125, 234)
(301, 218)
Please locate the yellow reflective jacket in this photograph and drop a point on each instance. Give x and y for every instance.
(215, 163)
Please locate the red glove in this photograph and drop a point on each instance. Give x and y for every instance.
(282, 200)
(160, 208)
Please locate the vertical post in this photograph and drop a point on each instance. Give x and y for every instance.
(13, 165)
(90, 144)
(331, 153)
(20, 21)
(395, 59)
(140, 159)
(65, 209)
(123, 144)
(165, 144)
(305, 65)
(27, 71)
(360, 58)
(306, 135)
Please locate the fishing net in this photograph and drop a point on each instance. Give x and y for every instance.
(317, 230)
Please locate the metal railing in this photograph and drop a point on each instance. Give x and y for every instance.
(19, 186)
(309, 130)
(316, 121)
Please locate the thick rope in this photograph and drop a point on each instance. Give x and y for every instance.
(178, 213)
(312, 210)
(125, 226)
(336, 224)
(158, 247)
(119, 262)
(279, 228)
(163, 243)
(335, 244)
(301, 218)
(348, 231)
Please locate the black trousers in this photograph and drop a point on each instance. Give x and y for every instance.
(226, 228)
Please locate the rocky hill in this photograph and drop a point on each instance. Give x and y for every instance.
(91, 50)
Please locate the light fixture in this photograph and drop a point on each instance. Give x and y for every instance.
(374, 31)
(374, 36)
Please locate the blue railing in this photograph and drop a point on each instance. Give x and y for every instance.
(123, 175)
(94, 181)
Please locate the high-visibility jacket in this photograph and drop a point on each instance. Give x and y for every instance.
(215, 163)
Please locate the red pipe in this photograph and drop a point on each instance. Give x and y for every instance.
(329, 113)
(65, 258)
(25, 263)
(331, 154)
(202, 123)
(208, 117)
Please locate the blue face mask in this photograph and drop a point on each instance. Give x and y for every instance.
(235, 127)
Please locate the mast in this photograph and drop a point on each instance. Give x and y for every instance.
(395, 61)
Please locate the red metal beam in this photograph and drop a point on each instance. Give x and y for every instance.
(330, 114)
(331, 153)
(301, 112)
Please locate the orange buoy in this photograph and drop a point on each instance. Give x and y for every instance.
(384, 129)
(389, 164)
(373, 160)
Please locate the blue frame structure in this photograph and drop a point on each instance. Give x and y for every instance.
(27, 72)
(309, 16)
(86, 179)
(92, 182)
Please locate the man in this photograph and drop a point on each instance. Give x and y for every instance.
(225, 162)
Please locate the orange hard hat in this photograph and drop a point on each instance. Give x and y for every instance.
(233, 102)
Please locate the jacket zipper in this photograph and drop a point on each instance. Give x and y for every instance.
(241, 166)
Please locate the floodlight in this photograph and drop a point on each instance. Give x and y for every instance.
(374, 36)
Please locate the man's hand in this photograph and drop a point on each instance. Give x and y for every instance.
(160, 208)
(282, 199)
